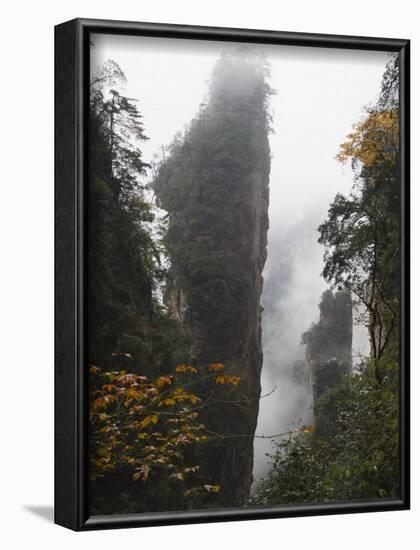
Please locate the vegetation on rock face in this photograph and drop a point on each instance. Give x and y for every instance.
(361, 234)
(148, 432)
(210, 183)
(146, 406)
(154, 444)
(329, 342)
(214, 185)
(355, 458)
(174, 346)
(329, 348)
(353, 451)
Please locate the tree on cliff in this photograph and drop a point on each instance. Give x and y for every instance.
(133, 347)
(126, 331)
(124, 257)
(214, 185)
(361, 234)
(146, 426)
(356, 454)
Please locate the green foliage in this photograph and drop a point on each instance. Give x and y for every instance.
(353, 451)
(356, 458)
(213, 182)
(149, 409)
(361, 234)
(329, 344)
(124, 257)
(146, 401)
(207, 184)
(128, 329)
(331, 337)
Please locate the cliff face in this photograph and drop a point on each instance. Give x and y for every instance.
(232, 457)
(214, 185)
(329, 345)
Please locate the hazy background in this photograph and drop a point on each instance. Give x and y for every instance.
(320, 93)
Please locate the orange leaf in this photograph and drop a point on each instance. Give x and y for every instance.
(142, 473)
(215, 367)
(151, 419)
(163, 381)
(186, 368)
(212, 488)
(307, 429)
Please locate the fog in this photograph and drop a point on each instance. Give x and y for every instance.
(320, 93)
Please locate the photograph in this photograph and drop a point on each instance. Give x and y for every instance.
(243, 275)
(209, 236)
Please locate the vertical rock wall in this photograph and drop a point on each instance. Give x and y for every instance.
(214, 185)
(329, 344)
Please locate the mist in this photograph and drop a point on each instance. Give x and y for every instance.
(320, 94)
(317, 105)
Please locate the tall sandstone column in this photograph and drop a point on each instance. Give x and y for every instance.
(329, 346)
(214, 185)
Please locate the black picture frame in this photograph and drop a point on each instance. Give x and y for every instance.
(71, 112)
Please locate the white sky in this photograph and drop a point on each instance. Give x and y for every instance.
(321, 93)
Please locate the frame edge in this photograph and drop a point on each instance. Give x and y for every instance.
(68, 429)
(70, 164)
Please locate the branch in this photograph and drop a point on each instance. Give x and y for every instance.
(251, 436)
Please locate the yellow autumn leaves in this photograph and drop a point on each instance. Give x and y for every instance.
(163, 381)
(212, 488)
(374, 139)
(216, 367)
(228, 379)
(307, 429)
(102, 402)
(148, 425)
(222, 378)
(151, 419)
(142, 472)
(186, 368)
(179, 395)
(131, 428)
